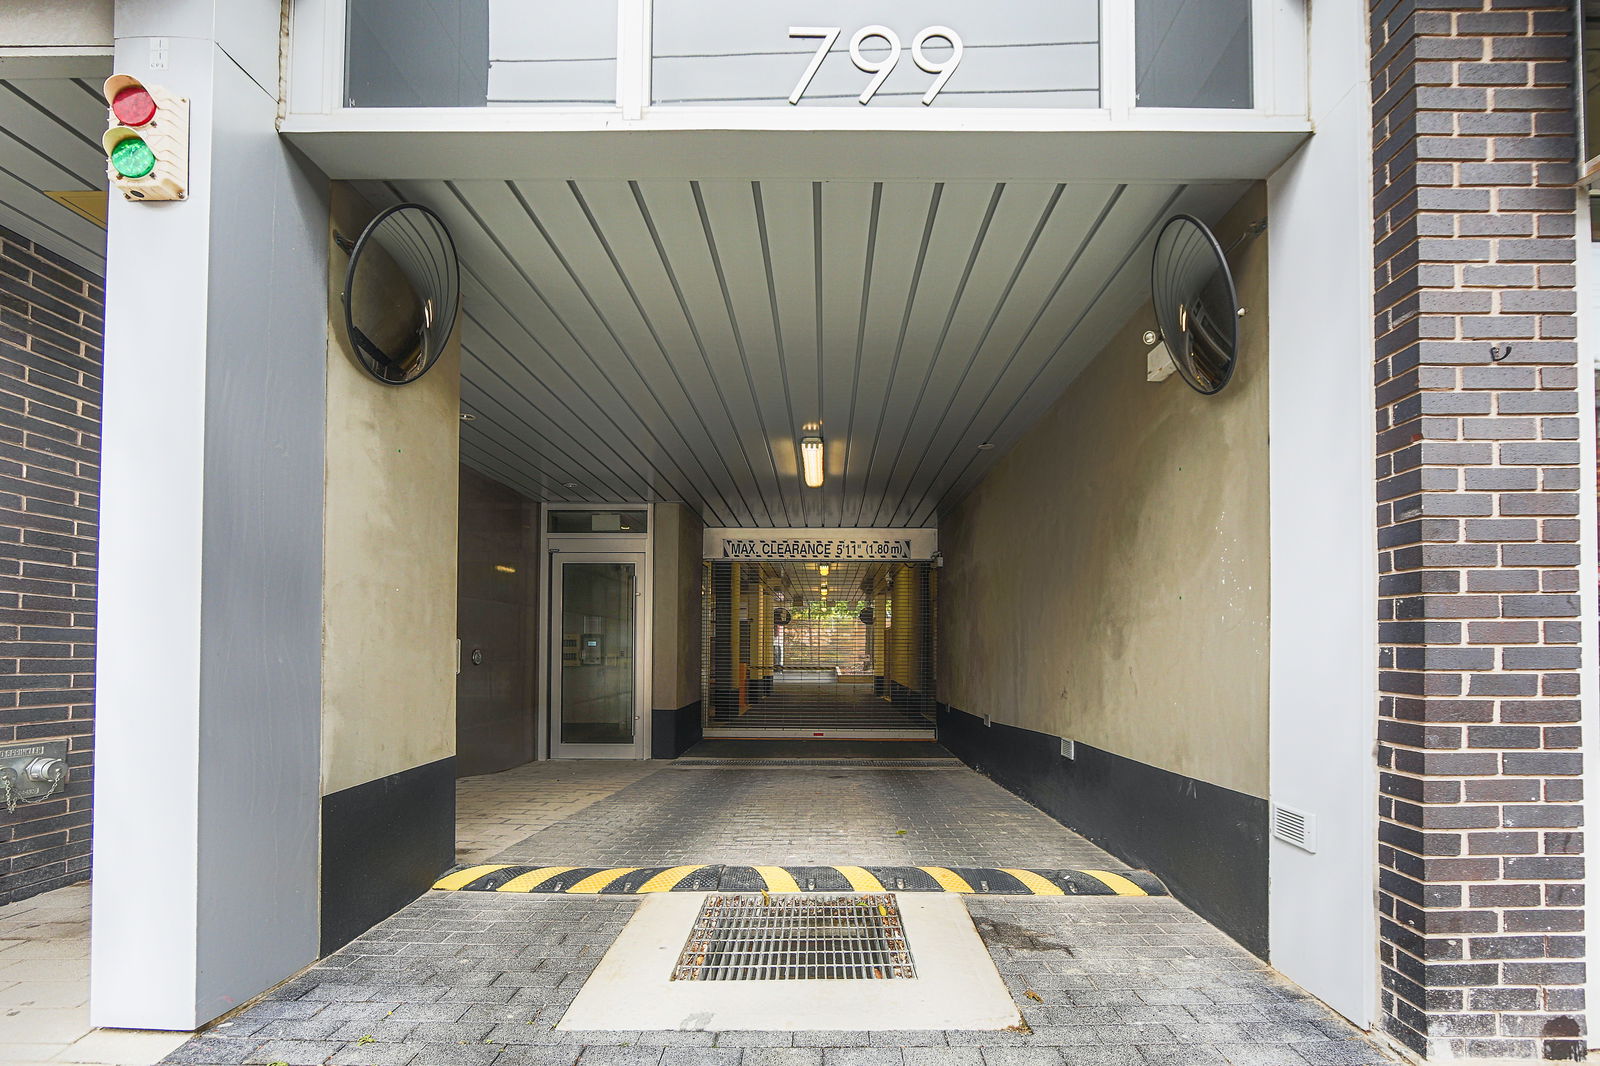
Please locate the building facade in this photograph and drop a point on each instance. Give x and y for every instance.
(1316, 649)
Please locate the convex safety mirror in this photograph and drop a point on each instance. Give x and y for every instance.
(401, 290)
(1196, 304)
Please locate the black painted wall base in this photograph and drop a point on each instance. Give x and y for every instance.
(674, 732)
(384, 843)
(1208, 843)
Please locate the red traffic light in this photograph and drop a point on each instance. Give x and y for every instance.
(133, 105)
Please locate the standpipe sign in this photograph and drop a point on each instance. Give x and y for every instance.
(819, 545)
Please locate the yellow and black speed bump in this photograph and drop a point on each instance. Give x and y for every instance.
(634, 880)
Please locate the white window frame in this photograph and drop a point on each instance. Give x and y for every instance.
(315, 64)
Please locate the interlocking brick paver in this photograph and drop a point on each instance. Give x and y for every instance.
(1114, 981)
(1021, 1057)
(782, 1056)
(701, 1056)
(876, 816)
(942, 1056)
(295, 1052)
(620, 1056)
(539, 1056)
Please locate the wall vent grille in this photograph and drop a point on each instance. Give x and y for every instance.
(1293, 826)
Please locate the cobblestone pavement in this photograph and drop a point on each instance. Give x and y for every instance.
(479, 979)
(813, 815)
(474, 979)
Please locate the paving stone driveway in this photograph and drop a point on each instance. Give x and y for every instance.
(811, 815)
(476, 979)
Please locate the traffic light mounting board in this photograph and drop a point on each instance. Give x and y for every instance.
(147, 144)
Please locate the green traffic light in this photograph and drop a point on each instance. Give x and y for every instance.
(132, 158)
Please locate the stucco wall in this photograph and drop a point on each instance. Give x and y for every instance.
(389, 613)
(56, 24)
(1108, 581)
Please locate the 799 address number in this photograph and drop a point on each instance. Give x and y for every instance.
(880, 69)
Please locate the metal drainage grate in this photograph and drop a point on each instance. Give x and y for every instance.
(787, 938)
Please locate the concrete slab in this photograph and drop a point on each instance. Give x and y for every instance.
(956, 983)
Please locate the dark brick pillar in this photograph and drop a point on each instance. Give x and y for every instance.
(50, 330)
(1480, 840)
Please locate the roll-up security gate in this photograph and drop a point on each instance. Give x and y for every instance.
(818, 648)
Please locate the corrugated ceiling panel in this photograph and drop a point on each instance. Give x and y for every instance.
(668, 339)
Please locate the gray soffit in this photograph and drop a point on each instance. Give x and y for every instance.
(49, 130)
(667, 340)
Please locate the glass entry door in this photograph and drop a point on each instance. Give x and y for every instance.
(596, 676)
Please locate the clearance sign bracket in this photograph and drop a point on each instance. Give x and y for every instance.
(821, 545)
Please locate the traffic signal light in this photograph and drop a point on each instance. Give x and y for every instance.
(147, 145)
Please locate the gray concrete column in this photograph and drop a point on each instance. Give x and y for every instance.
(209, 677)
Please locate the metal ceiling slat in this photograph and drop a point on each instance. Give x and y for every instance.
(557, 211)
(847, 229)
(679, 239)
(42, 153)
(65, 123)
(729, 208)
(964, 265)
(667, 340)
(1016, 221)
(1021, 231)
(553, 340)
(1079, 227)
(786, 220)
(26, 210)
(526, 392)
(609, 470)
(560, 460)
(636, 330)
(644, 281)
(567, 327)
(906, 220)
(493, 464)
(1020, 222)
(955, 228)
(1122, 272)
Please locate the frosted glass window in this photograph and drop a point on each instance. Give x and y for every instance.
(481, 53)
(1014, 53)
(1192, 53)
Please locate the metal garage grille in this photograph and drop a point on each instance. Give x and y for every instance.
(786, 938)
(796, 648)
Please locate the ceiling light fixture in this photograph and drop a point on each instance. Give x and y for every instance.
(811, 455)
(823, 570)
(468, 416)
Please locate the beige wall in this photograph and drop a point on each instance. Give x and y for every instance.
(56, 24)
(389, 582)
(676, 606)
(1107, 582)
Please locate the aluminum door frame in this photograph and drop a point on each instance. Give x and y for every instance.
(640, 747)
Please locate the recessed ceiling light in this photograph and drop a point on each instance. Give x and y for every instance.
(986, 445)
(468, 416)
(569, 484)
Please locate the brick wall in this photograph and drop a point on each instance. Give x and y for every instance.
(50, 337)
(1480, 841)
